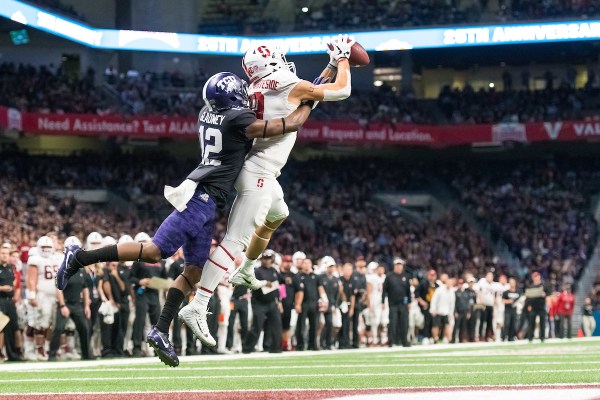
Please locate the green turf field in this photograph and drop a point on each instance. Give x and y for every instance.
(562, 362)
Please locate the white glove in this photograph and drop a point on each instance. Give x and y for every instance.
(339, 48)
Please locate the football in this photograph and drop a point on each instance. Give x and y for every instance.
(358, 56)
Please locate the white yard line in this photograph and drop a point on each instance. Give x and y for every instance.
(316, 365)
(376, 352)
(271, 376)
(450, 389)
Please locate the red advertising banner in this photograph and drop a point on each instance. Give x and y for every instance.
(313, 131)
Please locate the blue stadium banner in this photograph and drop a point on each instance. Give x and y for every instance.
(426, 38)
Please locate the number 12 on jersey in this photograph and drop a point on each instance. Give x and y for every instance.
(211, 144)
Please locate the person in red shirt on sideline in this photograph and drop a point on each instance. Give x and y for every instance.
(564, 309)
(553, 319)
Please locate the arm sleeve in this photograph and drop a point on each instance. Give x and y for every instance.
(239, 122)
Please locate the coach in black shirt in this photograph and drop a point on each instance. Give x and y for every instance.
(73, 302)
(293, 298)
(535, 302)
(362, 300)
(347, 307)
(239, 305)
(146, 299)
(7, 305)
(333, 290)
(396, 288)
(310, 310)
(266, 307)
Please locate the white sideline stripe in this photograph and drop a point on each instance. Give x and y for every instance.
(527, 386)
(150, 378)
(377, 352)
(363, 365)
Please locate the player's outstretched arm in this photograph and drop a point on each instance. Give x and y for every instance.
(280, 126)
(339, 53)
(339, 90)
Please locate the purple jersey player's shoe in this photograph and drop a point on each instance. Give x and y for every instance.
(164, 349)
(68, 267)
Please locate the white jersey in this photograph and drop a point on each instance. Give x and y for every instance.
(487, 292)
(271, 96)
(47, 267)
(376, 282)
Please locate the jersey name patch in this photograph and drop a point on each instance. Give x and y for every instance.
(209, 118)
(266, 84)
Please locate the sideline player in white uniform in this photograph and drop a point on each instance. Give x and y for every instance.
(259, 208)
(41, 292)
(375, 280)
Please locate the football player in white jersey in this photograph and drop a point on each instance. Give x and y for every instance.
(259, 208)
(41, 292)
(375, 280)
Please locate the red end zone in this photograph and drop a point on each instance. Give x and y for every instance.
(541, 392)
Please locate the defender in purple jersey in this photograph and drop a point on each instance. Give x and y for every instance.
(227, 128)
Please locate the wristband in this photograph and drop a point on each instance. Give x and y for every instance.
(310, 103)
(31, 295)
(265, 129)
(331, 66)
(283, 129)
(61, 306)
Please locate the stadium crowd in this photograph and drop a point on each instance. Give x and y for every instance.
(48, 89)
(353, 245)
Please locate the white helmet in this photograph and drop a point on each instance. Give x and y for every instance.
(93, 241)
(72, 241)
(372, 267)
(142, 237)
(125, 239)
(299, 255)
(108, 241)
(264, 59)
(327, 261)
(45, 246)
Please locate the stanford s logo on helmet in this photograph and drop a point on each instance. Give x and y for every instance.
(225, 90)
(262, 60)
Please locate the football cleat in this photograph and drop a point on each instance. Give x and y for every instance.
(195, 319)
(68, 267)
(164, 349)
(245, 277)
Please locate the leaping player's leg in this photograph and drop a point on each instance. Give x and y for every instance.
(251, 204)
(277, 214)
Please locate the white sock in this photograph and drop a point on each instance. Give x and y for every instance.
(247, 264)
(219, 262)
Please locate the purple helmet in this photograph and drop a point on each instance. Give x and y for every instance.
(225, 90)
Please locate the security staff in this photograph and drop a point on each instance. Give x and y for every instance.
(146, 299)
(310, 311)
(7, 305)
(347, 306)
(73, 302)
(536, 295)
(239, 305)
(509, 298)
(124, 271)
(396, 288)
(294, 289)
(332, 288)
(112, 286)
(362, 299)
(175, 270)
(266, 306)
(463, 311)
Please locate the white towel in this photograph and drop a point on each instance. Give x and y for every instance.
(180, 195)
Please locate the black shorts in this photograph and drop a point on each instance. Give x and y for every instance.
(286, 317)
(440, 320)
